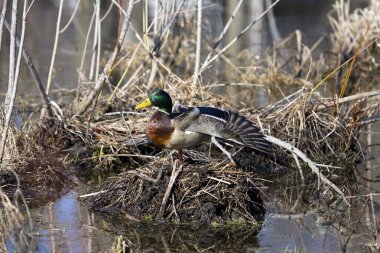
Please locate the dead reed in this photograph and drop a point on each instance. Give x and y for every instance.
(315, 130)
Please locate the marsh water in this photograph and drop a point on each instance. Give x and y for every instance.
(66, 225)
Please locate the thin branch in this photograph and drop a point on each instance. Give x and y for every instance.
(54, 47)
(206, 63)
(153, 72)
(309, 162)
(107, 12)
(12, 82)
(22, 38)
(332, 102)
(221, 36)
(276, 36)
(94, 42)
(71, 18)
(175, 172)
(50, 76)
(83, 56)
(2, 20)
(99, 41)
(198, 48)
(33, 71)
(99, 83)
(150, 54)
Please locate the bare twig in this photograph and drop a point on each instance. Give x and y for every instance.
(23, 25)
(206, 63)
(363, 95)
(107, 12)
(309, 162)
(83, 57)
(33, 71)
(221, 36)
(50, 76)
(175, 172)
(198, 48)
(12, 82)
(219, 180)
(93, 194)
(149, 55)
(99, 83)
(2, 20)
(155, 38)
(71, 18)
(94, 69)
(276, 36)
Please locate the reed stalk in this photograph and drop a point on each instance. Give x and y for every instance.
(99, 83)
(53, 55)
(4, 10)
(12, 81)
(198, 46)
(206, 63)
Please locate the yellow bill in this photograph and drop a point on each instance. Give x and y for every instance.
(144, 104)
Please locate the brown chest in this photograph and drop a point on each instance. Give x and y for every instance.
(159, 129)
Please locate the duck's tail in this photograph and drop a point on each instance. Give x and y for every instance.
(241, 130)
(229, 126)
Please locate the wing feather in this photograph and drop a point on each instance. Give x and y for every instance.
(227, 125)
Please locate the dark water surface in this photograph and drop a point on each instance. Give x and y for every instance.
(68, 226)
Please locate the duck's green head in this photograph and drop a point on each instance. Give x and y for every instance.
(158, 98)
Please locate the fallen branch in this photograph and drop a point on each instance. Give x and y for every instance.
(313, 166)
(175, 172)
(365, 95)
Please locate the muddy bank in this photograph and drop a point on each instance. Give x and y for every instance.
(39, 180)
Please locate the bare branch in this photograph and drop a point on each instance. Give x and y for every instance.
(99, 83)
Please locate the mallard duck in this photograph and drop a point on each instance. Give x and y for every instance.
(194, 125)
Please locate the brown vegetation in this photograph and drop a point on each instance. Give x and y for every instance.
(104, 137)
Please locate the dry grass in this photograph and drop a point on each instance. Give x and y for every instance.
(348, 28)
(323, 127)
(107, 138)
(307, 121)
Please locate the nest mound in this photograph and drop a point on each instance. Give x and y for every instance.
(207, 193)
(148, 184)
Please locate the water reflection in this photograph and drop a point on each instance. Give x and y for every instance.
(306, 233)
(67, 226)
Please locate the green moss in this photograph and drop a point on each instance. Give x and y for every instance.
(148, 218)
